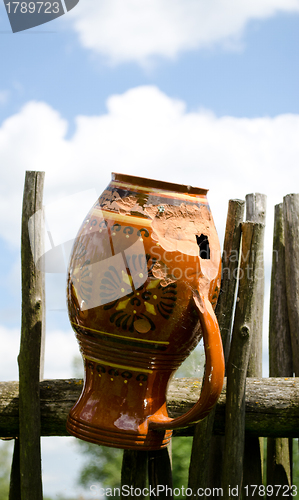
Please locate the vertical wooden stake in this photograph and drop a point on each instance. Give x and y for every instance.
(238, 361)
(33, 303)
(205, 465)
(160, 473)
(280, 347)
(279, 461)
(253, 455)
(291, 231)
(134, 473)
(15, 486)
(230, 264)
(256, 212)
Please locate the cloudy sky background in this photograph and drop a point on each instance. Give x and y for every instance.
(192, 91)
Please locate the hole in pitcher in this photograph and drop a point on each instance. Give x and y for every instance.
(203, 245)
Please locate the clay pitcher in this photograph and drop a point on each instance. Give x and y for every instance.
(143, 280)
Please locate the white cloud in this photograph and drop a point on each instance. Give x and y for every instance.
(10, 347)
(139, 30)
(4, 96)
(146, 133)
(60, 350)
(28, 141)
(61, 469)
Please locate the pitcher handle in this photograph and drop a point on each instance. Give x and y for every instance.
(214, 371)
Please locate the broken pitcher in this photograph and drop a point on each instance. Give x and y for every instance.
(143, 281)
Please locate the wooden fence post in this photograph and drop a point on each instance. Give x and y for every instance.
(205, 463)
(31, 341)
(134, 472)
(160, 473)
(280, 347)
(137, 466)
(238, 362)
(256, 212)
(291, 231)
(253, 454)
(15, 484)
(279, 461)
(230, 265)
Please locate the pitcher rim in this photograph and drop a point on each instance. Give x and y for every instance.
(157, 184)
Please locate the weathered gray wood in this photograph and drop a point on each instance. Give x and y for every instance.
(256, 212)
(279, 460)
(57, 397)
(31, 342)
(278, 465)
(280, 348)
(203, 459)
(272, 405)
(15, 485)
(200, 455)
(134, 473)
(291, 231)
(238, 359)
(252, 463)
(160, 474)
(230, 263)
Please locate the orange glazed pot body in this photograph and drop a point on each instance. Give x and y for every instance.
(144, 276)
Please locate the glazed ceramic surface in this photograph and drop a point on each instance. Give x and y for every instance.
(143, 279)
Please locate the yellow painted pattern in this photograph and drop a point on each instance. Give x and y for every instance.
(127, 279)
(122, 305)
(150, 308)
(127, 219)
(161, 342)
(115, 365)
(153, 284)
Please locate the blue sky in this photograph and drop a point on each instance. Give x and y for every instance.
(258, 77)
(197, 92)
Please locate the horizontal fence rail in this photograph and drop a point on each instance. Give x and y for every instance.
(271, 405)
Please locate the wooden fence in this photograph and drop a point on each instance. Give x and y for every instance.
(227, 451)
